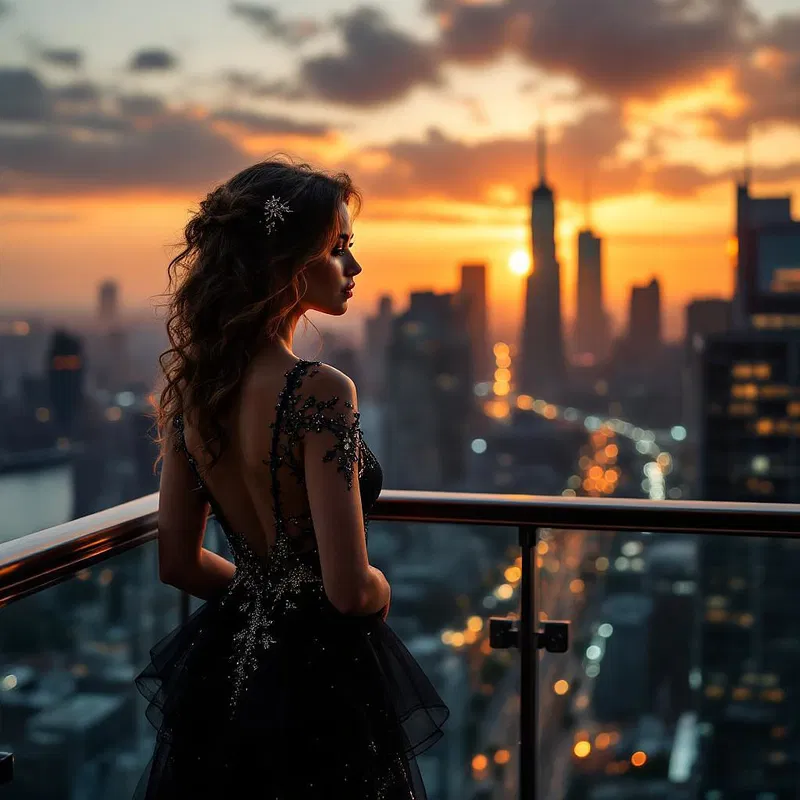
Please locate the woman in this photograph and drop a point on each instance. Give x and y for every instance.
(287, 683)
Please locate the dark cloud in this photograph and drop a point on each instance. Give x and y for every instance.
(174, 153)
(478, 33)
(23, 97)
(378, 65)
(267, 21)
(768, 82)
(153, 60)
(615, 47)
(253, 122)
(79, 92)
(140, 105)
(62, 57)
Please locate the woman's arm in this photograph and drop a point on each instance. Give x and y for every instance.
(331, 445)
(183, 562)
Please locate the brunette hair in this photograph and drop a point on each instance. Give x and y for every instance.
(235, 286)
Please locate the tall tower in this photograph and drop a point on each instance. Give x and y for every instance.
(543, 368)
(472, 294)
(107, 294)
(591, 334)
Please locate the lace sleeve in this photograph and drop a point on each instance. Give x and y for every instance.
(336, 422)
(322, 420)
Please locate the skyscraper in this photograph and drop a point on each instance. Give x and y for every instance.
(429, 401)
(472, 294)
(107, 294)
(750, 429)
(377, 332)
(752, 215)
(705, 317)
(749, 662)
(644, 320)
(591, 329)
(65, 371)
(543, 368)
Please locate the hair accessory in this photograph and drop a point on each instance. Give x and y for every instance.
(274, 210)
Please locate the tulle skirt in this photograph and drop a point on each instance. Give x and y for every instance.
(334, 708)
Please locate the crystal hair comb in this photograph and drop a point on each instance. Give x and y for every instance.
(274, 211)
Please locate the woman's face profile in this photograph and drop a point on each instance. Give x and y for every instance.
(330, 279)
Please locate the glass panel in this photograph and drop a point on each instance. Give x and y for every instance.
(447, 581)
(69, 709)
(681, 679)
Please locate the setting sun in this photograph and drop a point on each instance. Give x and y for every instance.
(519, 262)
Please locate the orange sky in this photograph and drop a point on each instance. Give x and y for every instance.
(106, 144)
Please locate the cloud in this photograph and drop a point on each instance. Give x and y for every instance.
(617, 48)
(255, 123)
(439, 167)
(253, 85)
(62, 57)
(268, 22)
(79, 92)
(153, 60)
(767, 82)
(23, 97)
(378, 65)
(140, 105)
(173, 153)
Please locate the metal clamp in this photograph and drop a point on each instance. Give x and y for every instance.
(552, 637)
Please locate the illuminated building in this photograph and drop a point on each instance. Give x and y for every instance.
(65, 374)
(749, 662)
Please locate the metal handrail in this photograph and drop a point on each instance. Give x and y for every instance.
(34, 562)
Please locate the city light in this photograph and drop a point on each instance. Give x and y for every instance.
(582, 749)
(561, 687)
(501, 349)
(519, 262)
(504, 592)
(502, 757)
(479, 446)
(639, 758)
(480, 762)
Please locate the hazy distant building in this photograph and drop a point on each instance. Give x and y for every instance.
(542, 362)
(377, 332)
(429, 400)
(107, 302)
(591, 323)
(643, 340)
(65, 374)
(472, 293)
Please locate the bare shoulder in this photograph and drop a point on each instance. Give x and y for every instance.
(329, 382)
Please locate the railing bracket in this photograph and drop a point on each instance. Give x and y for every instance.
(553, 636)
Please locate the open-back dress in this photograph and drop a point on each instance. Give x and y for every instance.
(269, 692)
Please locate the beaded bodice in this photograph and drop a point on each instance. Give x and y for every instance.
(267, 589)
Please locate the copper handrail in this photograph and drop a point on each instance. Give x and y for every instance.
(34, 562)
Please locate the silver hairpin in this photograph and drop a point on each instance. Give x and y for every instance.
(274, 210)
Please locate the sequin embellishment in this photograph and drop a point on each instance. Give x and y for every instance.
(266, 590)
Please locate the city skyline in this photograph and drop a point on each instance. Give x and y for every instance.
(132, 127)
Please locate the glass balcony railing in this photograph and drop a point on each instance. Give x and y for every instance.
(675, 671)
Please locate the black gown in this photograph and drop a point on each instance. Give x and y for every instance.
(267, 691)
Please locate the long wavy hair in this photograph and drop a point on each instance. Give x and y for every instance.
(234, 287)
